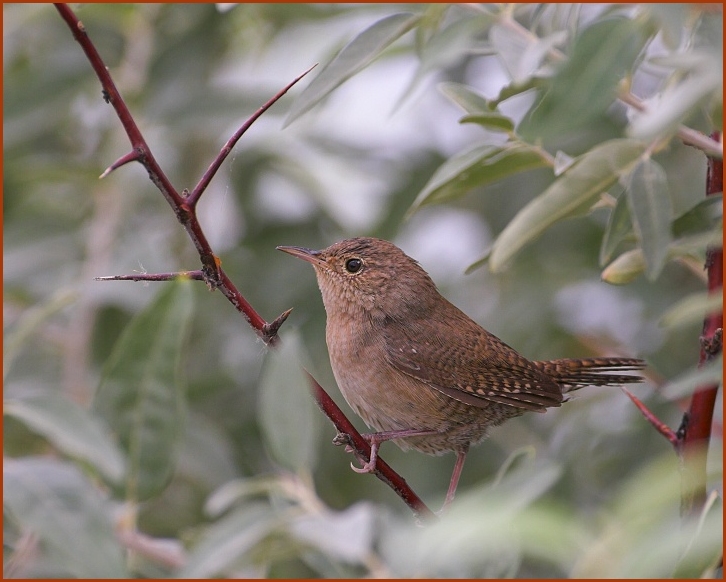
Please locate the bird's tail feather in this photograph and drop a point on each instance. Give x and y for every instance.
(572, 374)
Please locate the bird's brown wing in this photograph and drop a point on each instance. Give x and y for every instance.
(467, 363)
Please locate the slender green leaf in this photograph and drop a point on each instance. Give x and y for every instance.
(625, 268)
(480, 262)
(475, 168)
(630, 264)
(562, 162)
(491, 121)
(692, 309)
(71, 429)
(353, 58)
(431, 19)
(675, 104)
(688, 382)
(347, 535)
(54, 500)
(30, 321)
(586, 84)
(288, 415)
(465, 97)
(579, 187)
(227, 542)
(517, 88)
(142, 393)
(651, 211)
(617, 229)
(448, 47)
(450, 44)
(522, 54)
(703, 216)
(237, 491)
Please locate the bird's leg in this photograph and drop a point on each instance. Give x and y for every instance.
(458, 466)
(376, 438)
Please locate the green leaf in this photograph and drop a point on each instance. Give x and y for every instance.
(448, 47)
(354, 57)
(491, 121)
(516, 88)
(579, 187)
(586, 85)
(30, 321)
(142, 393)
(562, 162)
(687, 383)
(465, 97)
(346, 535)
(677, 103)
(617, 229)
(703, 216)
(228, 542)
(475, 168)
(54, 500)
(692, 309)
(480, 262)
(287, 412)
(71, 429)
(630, 264)
(451, 44)
(651, 211)
(625, 268)
(431, 19)
(522, 54)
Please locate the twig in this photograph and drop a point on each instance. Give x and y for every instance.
(225, 151)
(156, 277)
(361, 447)
(153, 549)
(184, 204)
(658, 424)
(709, 145)
(698, 419)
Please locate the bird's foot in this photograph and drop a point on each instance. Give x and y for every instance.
(370, 466)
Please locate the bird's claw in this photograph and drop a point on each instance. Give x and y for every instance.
(369, 467)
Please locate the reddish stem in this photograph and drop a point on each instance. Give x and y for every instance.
(184, 206)
(195, 275)
(382, 470)
(658, 424)
(111, 95)
(199, 189)
(698, 419)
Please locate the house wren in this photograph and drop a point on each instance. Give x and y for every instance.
(419, 371)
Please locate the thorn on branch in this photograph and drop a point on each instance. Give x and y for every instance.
(199, 189)
(269, 330)
(132, 156)
(156, 277)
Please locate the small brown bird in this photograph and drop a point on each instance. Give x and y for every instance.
(419, 371)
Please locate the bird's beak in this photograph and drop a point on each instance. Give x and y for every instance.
(308, 255)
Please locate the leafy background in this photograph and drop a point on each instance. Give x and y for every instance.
(151, 418)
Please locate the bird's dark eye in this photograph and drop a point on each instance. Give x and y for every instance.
(353, 265)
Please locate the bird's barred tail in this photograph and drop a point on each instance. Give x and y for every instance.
(572, 374)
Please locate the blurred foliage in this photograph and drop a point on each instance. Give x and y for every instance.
(136, 408)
